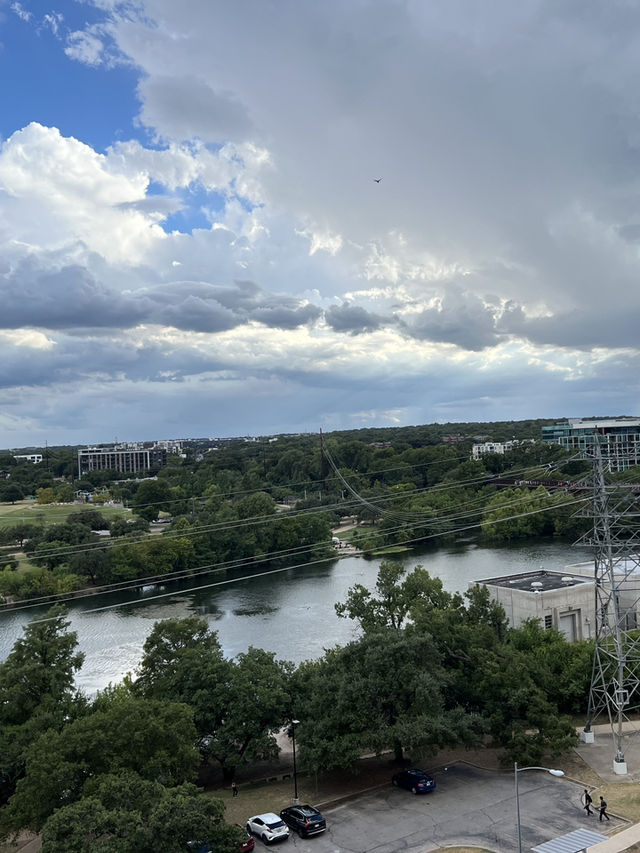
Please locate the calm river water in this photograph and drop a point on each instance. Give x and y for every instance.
(290, 612)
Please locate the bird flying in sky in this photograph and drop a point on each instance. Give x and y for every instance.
(377, 180)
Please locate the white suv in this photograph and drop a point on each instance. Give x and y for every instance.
(269, 827)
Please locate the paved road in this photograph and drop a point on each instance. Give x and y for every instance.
(471, 807)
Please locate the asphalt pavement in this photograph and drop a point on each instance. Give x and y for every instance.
(471, 807)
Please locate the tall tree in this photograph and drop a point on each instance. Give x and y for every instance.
(394, 598)
(37, 691)
(236, 704)
(152, 738)
(40, 668)
(123, 812)
(384, 691)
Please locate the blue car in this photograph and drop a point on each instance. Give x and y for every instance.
(416, 781)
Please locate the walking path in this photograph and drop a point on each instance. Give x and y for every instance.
(600, 755)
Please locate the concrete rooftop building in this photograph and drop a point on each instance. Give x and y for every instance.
(561, 600)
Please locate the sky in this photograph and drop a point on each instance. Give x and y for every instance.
(249, 217)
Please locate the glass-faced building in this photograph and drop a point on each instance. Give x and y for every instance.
(619, 439)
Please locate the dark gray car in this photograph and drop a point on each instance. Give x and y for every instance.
(305, 820)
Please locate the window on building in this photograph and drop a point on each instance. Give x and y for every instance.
(548, 622)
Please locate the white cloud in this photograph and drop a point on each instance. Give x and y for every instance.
(497, 257)
(26, 338)
(57, 191)
(21, 12)
(53, 21)
(85, 47)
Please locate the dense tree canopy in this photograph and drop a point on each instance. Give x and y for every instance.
(237, 704)
(122, 813)
(383, 691)
(37, 691)
(154, 739)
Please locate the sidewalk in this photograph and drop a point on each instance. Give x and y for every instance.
(600, 755)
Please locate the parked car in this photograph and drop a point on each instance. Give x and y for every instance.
(414, 780)
(306, 820)
(248, 844)
(269, 827)
(245, 846)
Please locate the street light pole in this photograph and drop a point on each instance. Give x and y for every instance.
(517, 770)
(294, 723)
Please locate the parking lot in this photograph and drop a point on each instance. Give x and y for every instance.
(470, 808)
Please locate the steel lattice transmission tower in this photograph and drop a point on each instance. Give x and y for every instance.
(615, 544)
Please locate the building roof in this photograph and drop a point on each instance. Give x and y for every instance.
(572, 842)
(540, 581)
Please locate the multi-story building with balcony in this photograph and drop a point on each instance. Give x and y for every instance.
(619, 439)
(129, 460)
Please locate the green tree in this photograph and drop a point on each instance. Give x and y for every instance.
(394, 597)
(37, 691)
(87, 826)
(254, 709)
(64, 493)
(126, 526)
(520, 513)
(168, 652)
(523, 715)
(18, 534)
(40, 668)
(237, 705)
(151, 497)
(91, 518)
(384, 691)
(256, 506)
(11, 494)
(94, 565)
(45, 495)
(124, 812)
(152, 738)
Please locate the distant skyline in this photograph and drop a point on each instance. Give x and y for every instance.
(194, 240)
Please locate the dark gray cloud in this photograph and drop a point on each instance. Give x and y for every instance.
(285, 314)
(352, 318)
(63, 298)
(72, 298)
(187, 106)
(580, 329)
(460, 318)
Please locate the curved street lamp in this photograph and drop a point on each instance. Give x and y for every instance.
(517, 770)
(294, 723)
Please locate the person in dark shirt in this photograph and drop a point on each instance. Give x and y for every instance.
(603, 808)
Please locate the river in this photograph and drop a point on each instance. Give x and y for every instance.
(290, 612)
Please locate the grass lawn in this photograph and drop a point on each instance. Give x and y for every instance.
(31, 512)
(623, 799)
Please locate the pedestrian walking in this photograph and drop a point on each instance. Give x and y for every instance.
(603, 808)
(234, 789)
(587, 802)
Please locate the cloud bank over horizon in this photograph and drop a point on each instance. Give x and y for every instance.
(203, 244)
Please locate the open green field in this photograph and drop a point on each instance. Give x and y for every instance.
(30, 512)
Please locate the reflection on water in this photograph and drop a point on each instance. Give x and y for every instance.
(288, 612)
